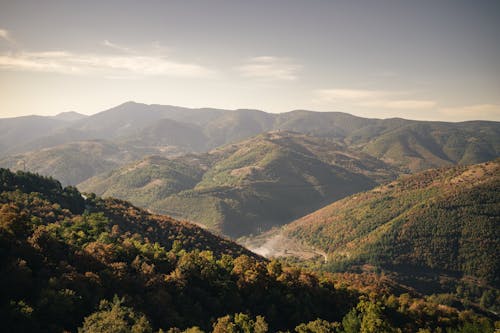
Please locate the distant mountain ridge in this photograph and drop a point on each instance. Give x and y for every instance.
(412, 145)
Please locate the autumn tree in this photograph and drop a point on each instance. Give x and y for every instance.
(240, 323)
(114, 317)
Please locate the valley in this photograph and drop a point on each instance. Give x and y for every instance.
(240, 166)
(248, 186)
(275, 244)
(238, 172)
(404, 211)
(75, 252)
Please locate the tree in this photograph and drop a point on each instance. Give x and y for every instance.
(240, 323)
(194, 329)
(113, 317)
(317, 326)
(372, 318)
(224, 325)
(351, 322)
(274, 268)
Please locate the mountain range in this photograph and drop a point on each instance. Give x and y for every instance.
(236, 172)
(407, 144)
(405, 208)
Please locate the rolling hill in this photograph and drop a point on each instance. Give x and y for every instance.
(443, 220)
(76, 161)
(246, 187)
(166, 133)
(146, 181)
(419, 146)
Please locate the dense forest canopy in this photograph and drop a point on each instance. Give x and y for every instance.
(443, 219)
(70, 262)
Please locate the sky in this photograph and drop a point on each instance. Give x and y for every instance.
(426, 59)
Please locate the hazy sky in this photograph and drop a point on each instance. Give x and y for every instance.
(412, 59)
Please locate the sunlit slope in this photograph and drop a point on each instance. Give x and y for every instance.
(444, 219)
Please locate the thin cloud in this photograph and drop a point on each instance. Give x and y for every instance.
(478, 111)
(407, 104)
(372, 99)
(269, 68)
(5, 34)
(351, 94)
(115, 46)
(101, 64)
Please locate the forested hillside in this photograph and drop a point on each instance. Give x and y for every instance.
(249, 186)
(444, 220)
(70, 262)
(422, 145)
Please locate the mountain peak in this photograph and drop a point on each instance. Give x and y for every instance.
(69, 116)
(129, 103)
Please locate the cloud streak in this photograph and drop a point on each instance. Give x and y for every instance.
(269, 68)
(116, 46)
(110, 65)
(4, 34)
(350, 94)
(477, 111)
(398, 104)
(395, 100)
